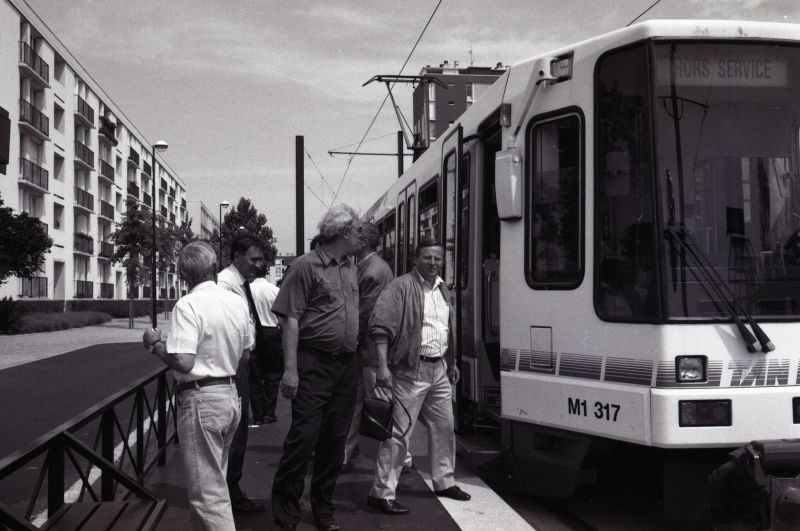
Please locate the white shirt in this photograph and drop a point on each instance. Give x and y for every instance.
(435, 320)
(232, 280)
(212, 324)
(264, 293)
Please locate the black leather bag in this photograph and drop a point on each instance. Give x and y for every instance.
(377, 418)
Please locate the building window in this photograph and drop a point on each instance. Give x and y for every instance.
(432, 111)
(58, 167)
(58, 117)
(554, 244)
(469, 93)
(58, 69)
(431, 92)
(58, 216)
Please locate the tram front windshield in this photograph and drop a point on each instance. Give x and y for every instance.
(725, 215)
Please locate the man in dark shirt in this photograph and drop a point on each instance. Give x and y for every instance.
(317, 306)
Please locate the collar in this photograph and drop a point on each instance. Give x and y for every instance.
(364, 260)
(327, 259)
(416, 274)
(236, 274)
(204, 285)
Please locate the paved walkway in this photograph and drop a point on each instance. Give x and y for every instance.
(23, 348)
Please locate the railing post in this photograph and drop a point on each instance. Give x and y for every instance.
(162, 419)
(55, 475)
(140, 434)
(107, 451)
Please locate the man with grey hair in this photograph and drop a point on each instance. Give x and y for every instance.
(210, 332)
(317, 307)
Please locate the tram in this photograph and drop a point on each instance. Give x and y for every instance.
(621, 220)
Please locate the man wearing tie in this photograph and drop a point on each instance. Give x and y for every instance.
(247, 259)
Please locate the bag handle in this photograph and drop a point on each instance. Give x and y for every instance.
(408, 415)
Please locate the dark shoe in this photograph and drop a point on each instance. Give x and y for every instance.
(454, 493)
(326, 525)
(407, 469)
(245, 505)
(387, 506)
(269, 419)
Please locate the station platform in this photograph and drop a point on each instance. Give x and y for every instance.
(484, 511)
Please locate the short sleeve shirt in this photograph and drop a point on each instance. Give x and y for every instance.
(322, 294)
(213, 324)
(264, 293)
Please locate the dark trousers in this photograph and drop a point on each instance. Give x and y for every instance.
(321, 412)
(239, 444)
(266, 371)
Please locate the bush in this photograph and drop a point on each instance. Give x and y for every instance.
(48, 322)
(10, 315)
(41, 306)
(117, 307)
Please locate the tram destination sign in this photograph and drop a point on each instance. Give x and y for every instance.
(722, 71)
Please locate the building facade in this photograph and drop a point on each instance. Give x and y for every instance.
(436, 107)
(203, 221)
(75, 159)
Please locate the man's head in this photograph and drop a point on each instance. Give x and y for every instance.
(247, 255)
(197, 263)
(339, 226)
(429, 258)
(370, 238)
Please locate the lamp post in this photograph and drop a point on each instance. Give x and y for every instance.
(158, 146)
(226, 205)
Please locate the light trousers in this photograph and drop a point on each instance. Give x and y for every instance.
(427, 395)
(207, 419)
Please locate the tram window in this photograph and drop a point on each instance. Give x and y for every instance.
(554, 246)
(412, 231)
(389, 242)
(625, 256)
(463, 249)
(429, 210)
(401, 238)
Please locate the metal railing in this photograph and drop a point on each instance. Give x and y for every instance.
(146, 199)
(106, 290)
(133, 156)
(83, 243)
(84, 109)
(29, 114)
(164, 212)
(106, 249)
(172, 217)
(133, 189)
(106, 170)
(164, 185)
(146, 168)
(106, 209)
(33, 287)
(84, 289)
(84, 154)
(84, 198)
(172, 193)
(148, 405)
(44, 226)
(28, 56)
(33, 173)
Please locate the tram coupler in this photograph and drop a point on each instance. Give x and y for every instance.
(760, 484)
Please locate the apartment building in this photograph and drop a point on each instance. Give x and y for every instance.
(74, 160)
(437, 107)
(203, 221)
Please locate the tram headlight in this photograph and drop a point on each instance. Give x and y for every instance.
(690, 368)
(796, 410)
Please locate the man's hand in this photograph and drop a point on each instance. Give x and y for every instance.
(150, 336)
(383, 377)
(289, 383)
(456, 377)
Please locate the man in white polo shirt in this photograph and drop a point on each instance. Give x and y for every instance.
(210, 333)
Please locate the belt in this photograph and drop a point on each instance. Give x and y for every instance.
(204, 382)
(301, 347)
(430, 359)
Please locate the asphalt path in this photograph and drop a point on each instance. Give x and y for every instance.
(39, 396)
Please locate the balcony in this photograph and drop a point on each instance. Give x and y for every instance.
(147, 200)
(172, 217)
(32, 173)
(84, 289)
(183, 204)
(84, 155)
(83, 243)
(84, 199)
(107, 171)
(84, 112)
(133, 158)
(171, 268)
(106, 249)
(164, 212)
(33, 287)
(44, 226)
(146, 168)
(172, 193)
(29, 60)
(107, 210)
(162, 294)
(145, 292)
(106, 133)
(133, 189)
(34, 120)
(106, 290)
(164, 186)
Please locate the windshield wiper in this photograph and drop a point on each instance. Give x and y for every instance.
(732, 307)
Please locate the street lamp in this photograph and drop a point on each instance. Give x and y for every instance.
(226, 205)
(158, 146)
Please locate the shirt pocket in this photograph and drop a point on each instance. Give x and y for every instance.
(328, 296)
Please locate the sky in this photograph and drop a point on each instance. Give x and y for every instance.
(230, 83)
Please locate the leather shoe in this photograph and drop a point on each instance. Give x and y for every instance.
(245, 505)
(454, 493)
(269, 419)
(326, 525)
(387, 506)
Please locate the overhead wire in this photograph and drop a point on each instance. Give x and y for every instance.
(324, 180)
(365, 141)
(654, 4)
(315, 195)
(374, 118)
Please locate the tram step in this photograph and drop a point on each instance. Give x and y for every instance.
(478, 448)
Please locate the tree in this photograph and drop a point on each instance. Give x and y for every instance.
(23, 244)
(132, 243)
(247, 216)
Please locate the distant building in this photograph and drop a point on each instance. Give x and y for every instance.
(75, 160)
(277, 270)
(436, 108)
(204, 222)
